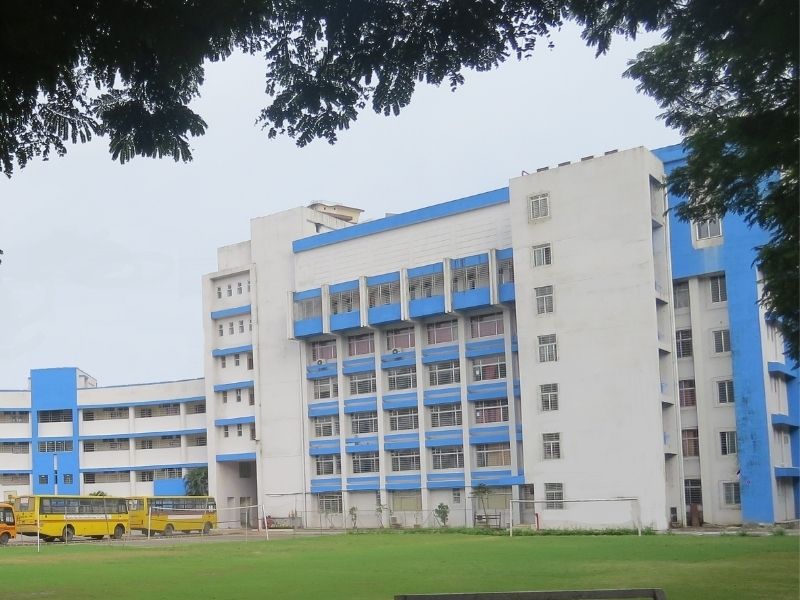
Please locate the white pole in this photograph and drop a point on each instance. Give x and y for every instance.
(55, 474)
(511, 517)
(38, 527)
(149, 520)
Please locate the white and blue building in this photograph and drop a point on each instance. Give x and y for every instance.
(563, 340)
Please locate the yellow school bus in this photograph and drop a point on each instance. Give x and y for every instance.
(64, 517)
(168, 514)
(8, 527)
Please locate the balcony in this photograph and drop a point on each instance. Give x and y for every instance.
(488, 435)
(426, 291)
(438, 438)
(345, 321)
(308, 327)
(470, 277)
(324, 446)
(55, 430)
(110, 458)
(307, 313)
(401, 441)
(358, 365)
(321, 369)
(496, 477)
(107, 427)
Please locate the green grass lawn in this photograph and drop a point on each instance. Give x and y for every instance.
(379, 566)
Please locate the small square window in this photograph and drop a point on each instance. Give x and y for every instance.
(708, 228)
(731, 493)
(239, 430)
(719, 289)
(542, 255)
(548, 394)
(241, 326)
(67, 479)
(221, 329)
(224, 397)
(230, 290)
(236, 360)
(230, 328)
(544, 299)
(43, 479)
(722, 341)
(223, 362)
(725, 391)
(239, 288)
(219, 292)
(238, 395)
(226, 431)
(727, 442)
(538, 207)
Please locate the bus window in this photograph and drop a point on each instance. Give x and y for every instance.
(8, 516)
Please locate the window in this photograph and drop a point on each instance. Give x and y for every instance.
(196, 440)
(486, 325)
(693, 491)
(248, 286)
(690, 441)
(221, 330)
(722, 341)
(727, 442)
(14, 448)
(402, 378)
(43, 479)
(709, 228)
(403, 418)
(470, 278)
(405, 460)
(719, 289)
(400, 338)
(236, 360)
(230, 328)
(56, 446)
(445, 415)
(252, 431)
(224, 397)
(544, 299)
(687, 393)
(328, 464)
(731, 493)
(249, 361)
(442, 332)
(68, 479)
(323, 350)
(226, 431)
(196, 408)
(55, 416)
(491, 411)
(493, 455)
(142, 476)
(683, 343)
(448, 457)
(239, 430)
(542, 255)
(554, 496)
(241, 326)
(326, 426)
(251, 397)
(239, 288)
(551, 443)
(107, 445)
(330, 503)
(250, 325)
(14, 416)
(426, 286)
(505, 271)
(358, 345)
(548, 348)
(362, 383)
(366, 462)
(230, 290)
(219, 292)
(456, 496)
(489, 367)
(548, 393)
(364, 422)
(680, 293)
(245, 470)
(239, 395)
(307, 308)
(327, 387)
(444, 373)
(344, 302)
(538, 206)
(223, 362)
(383, 294)
(725, 391)
(406, 500)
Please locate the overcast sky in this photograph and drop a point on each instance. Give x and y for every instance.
(103, 262)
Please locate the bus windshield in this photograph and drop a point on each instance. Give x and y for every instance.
(7, 516)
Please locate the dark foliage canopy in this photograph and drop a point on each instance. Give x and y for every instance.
(725, 75)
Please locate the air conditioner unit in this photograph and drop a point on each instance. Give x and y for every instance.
(394, 521)
(320, 362)
(395, 350)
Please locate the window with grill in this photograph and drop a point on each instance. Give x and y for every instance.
(551, 443)
(383, 294)
(687, 393)
(309, 308)
(56, 446)
(487, 368)
(196, 440)
(362, 383)
(196, 408)
(486, 325)
(241, 325)
(470, 278)
(402, 378)
(680, 294)
(224, 396)
(327, 426)
(405, 460)
(426, 286)
(14, 448)
(55, 416)
(366, 462)
(690, 441)
(448, 457)
(344, 302)
(323, 350)
(239, 430)
(251, 396)
(554, 496)
(406, 500)
(252, 431)
(544, 299)
(239, 288)
(249, 361)
(328, 464)
(445, 415)
(230, 290)
(15, 479)
(719, 289)
(491, 411)
(731, 493)
(159, 410)
(708, 228)
(683, 343)
(538, 206)
(727, 442)
(444, 373)
(219, 292)
(330, 503)
(327, 387)
(542, 255)
(693, 490)
(505, 271)
(364, 422)
(221, 330)
(168, 473)
(358, 345)
(442, 332)
(238, 395)
(230, 328)
(14, 416)
(144, 476)
(493, 455)
(548, 394)
(722, 341)
(402, 338)
(548, 348)
(109, 445)
(725, 391)
(403, 418)
(223, 362)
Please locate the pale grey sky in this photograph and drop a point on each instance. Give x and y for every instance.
(103, 262)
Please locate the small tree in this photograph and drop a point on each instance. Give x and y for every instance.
(353, 512)
(196, 482)
(481, 495)
(98, 493)
(442, 513)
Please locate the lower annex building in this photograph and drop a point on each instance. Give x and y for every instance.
(563, 341)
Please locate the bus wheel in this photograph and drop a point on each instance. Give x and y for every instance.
(206, 528)
(4, 537)
(119, 531)
(68, 533)
(169, 529)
